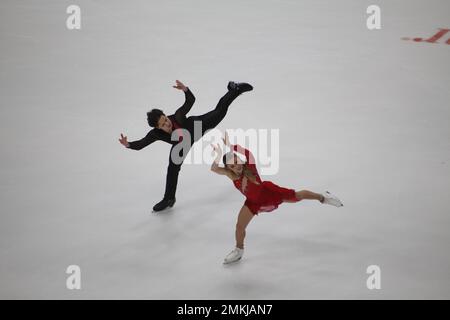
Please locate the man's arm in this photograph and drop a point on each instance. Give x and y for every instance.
(145, 141)
(180, 114)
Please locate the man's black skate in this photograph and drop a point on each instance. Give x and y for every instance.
(164, 204)
(240, 87)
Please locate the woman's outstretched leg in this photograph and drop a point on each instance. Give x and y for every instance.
(326, 198)
(308, 195)
(244, 218)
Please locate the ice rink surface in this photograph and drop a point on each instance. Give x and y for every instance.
(362, 113)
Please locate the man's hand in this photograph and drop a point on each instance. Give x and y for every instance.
(123, 141)
(180, 86)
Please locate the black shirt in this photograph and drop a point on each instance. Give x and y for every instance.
(178, 120)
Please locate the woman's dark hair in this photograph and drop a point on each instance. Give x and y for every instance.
(153, 117)
(246, 171)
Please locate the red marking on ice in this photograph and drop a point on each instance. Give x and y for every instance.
(432, 39)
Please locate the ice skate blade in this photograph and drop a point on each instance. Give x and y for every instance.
(231, 262)
(162, 211)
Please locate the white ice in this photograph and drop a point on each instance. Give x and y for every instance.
(361, 113)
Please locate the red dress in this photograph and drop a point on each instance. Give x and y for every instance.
(262, 196)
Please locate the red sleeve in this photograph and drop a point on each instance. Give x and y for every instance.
(247, 153)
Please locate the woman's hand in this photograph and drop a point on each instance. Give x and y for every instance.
(216, 150)
(215, 165)
(226, 139)
(180, 86)
(123, 140)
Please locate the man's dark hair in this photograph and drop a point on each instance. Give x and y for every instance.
(153, 117)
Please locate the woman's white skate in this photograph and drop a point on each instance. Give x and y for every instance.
(331, 199)
(234, 256)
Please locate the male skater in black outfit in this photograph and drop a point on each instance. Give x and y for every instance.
(165, 129)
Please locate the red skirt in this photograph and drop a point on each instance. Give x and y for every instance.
(270, 197)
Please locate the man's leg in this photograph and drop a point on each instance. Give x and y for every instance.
(212, 118)
(173, 170)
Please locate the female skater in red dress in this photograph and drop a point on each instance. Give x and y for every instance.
(261, 196)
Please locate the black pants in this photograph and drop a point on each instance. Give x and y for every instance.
(209, 121)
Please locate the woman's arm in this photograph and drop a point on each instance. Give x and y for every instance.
(247, 153)
(215, 165)
(235, 147)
